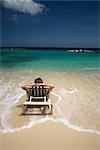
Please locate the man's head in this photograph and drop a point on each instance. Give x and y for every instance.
(38, 80)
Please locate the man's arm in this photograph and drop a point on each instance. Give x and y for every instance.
(26, 86)
(51, 87)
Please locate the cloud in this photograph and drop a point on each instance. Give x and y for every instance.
(25, 6)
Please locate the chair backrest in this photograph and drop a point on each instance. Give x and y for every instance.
(38, 91)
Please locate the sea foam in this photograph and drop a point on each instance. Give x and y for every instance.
(76, 104)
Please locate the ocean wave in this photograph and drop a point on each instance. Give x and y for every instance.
(74, 127)
(59, 120)
(30, 124)
(7, 128)
(91, 69)
(77, 102)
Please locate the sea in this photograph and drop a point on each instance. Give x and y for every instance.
(75, 97)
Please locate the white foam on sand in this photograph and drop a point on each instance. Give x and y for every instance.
(77, 106)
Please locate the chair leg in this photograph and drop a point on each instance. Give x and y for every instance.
(24, 108)
(51, 109)
(44, 110)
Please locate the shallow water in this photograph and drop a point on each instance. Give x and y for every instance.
(57, 60)
(75, 98)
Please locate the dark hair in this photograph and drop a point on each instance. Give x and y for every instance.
(38, 80)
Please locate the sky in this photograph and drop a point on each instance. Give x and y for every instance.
(43, 23)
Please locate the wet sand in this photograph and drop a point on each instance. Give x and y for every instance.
(56, 136)
(49, 136)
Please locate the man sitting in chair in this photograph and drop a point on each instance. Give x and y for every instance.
(42, 90)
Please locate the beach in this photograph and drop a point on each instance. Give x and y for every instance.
(75, 121)
(57, 42)
(75, 100)
(49, 136)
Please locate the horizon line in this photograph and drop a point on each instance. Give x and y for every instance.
(15, 47)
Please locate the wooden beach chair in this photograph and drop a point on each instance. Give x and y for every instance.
(38, 97)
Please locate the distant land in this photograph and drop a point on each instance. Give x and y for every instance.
(69, 49)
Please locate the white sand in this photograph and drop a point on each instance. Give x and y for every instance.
(49, 136)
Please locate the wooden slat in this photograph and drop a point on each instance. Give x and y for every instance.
(38, 91)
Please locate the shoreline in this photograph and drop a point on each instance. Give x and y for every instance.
(67, 98)
(49, 136)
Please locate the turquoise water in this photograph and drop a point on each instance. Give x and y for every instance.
(49, 60)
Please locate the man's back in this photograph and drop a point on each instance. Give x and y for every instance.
(38, 91)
